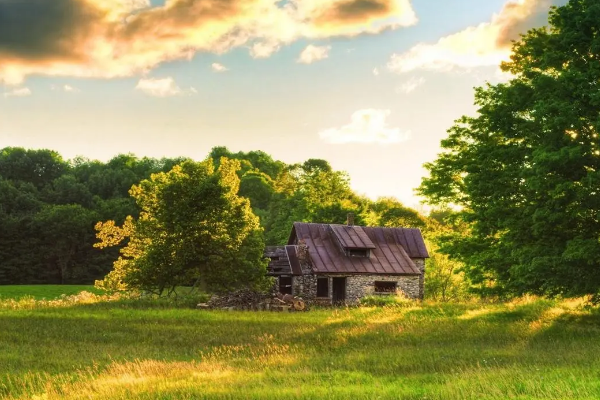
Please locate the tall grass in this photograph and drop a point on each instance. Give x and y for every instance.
(527, 349)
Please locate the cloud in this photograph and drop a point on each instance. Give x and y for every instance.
(264, 49)
(366, 126)
(411, 85)
(165, 87)
(70, 89)
(18, 92)
(117, 38)
(219, 67)
(313, 53)
(487, 44)
(376, 71)
(65, 88)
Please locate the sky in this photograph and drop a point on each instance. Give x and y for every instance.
(371, 86)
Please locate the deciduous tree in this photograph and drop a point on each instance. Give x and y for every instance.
(526, 169)
(193, 227)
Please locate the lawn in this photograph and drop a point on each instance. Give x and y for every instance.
(40, 292)
(528, 349)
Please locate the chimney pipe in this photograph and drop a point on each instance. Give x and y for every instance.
(350, 220)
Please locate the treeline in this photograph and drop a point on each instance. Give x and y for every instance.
(49, 206)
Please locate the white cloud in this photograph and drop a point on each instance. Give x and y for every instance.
(376, 71)
(313, 53)
(65, 88)
(264, 49)
(487, 44)
(165, 87)
(219, 67)
(366, 126)
(18, 92)
(70, 89)
(410, 85)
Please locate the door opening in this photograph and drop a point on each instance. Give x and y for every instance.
(338, 290)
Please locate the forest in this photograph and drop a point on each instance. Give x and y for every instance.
(49, 206)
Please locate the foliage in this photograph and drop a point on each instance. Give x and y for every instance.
(526, 169)
(48, 208)
(193, 228)
(530, 349)
(73, 195)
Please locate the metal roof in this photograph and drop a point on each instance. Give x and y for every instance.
(284, 261)
(391, 251)
(352, 237)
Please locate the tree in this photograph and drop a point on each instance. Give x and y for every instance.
(526, 169)
(193, 228)
(66, 237)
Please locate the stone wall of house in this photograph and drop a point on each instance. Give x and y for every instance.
(357, 286)
(420, 263)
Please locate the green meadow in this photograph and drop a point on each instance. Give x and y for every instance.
(41, 292)
(90, 348)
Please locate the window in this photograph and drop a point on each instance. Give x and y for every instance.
(358, 253)
(285, 284)
(322, 287)
(385, 287)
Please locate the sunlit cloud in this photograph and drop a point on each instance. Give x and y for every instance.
(161, 87)
(366, 126)
(217, 67)
(487, 44)
(117, 38)
(376, 71)
(313, 53)
(411, 85)
(18, 92)
(264, 49)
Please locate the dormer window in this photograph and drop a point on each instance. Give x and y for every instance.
(359, 253)
(353, 240)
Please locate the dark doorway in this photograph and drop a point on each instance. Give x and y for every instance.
(338, 290)
(285, 284)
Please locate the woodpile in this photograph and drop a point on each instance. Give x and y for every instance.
(247, 300)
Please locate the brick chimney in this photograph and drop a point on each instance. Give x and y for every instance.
(350, 220)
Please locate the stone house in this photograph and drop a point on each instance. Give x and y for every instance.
(332, 264)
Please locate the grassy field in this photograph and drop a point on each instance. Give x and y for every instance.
(530, 349)
(40, 292)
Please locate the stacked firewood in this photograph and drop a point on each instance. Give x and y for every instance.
(238, 299)
(249, 300)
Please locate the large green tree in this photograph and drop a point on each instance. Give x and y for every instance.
(193, 228)
(526, 169)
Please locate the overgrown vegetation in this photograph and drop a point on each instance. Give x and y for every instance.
(527, 349)
(48, 216)
(193, 230)
(526, 169)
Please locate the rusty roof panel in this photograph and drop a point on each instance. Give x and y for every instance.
(293, 260)
(390, 251)
(352, 237)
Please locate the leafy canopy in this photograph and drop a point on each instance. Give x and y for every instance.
(193, 228)
(526, 169)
